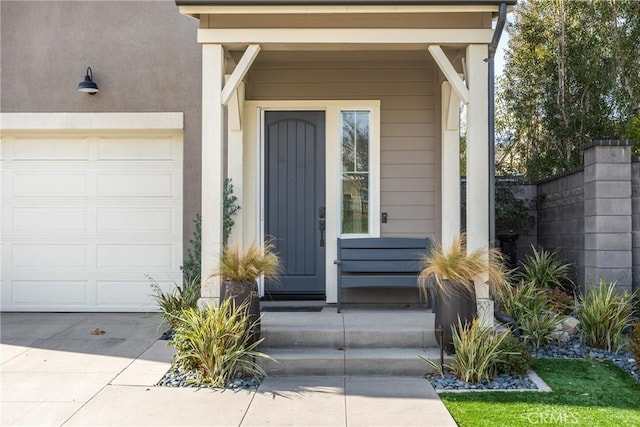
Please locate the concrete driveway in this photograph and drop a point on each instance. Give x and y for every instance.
(55, 370)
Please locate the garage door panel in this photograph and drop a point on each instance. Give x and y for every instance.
(50, 256)
(137, 220)
(133, 184)
(49, 219)
(49, 293)
(128, 293)
(141, 258)
(51, 149)
(144, 150)
(52, 184)
(86, 215)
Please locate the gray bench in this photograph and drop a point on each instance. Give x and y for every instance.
(386, 262)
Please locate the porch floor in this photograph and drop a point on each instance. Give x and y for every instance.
(358, 341)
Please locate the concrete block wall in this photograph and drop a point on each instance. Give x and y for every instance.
(593, 215)
(560, 218)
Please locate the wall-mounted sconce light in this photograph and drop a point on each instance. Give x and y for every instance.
(88, 85)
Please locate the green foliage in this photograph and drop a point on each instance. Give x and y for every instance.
(478, 349)
(511, 212)
(230, 209)
(584, 393)
(545, 270)
(529, 306)
(571, 76)
(215, 342)
(180, 298)
(538, 327)
(192, 267)
(604, 314)
(515, 359)
(192, 263)
(634, 344)
(633, 133)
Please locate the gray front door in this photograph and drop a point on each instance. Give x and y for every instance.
(294, 201)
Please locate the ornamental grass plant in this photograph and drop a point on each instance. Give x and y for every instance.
(478, 350)
(237, 265)
(215, 343)
(452, 269)
(529, 305)
(634, 343)
(545, 269)
(180, 298)
(604, 314)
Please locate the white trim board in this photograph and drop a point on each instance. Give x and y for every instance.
(253, 173)
(90, 121)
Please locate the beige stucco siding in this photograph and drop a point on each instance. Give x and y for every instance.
(406, 90)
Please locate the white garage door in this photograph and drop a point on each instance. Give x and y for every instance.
(88, 213)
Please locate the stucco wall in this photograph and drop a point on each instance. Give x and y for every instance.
(143, 54)
(561, 218)
(406, 89)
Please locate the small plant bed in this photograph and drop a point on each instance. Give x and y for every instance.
(179, 377)
(502, 382)
(585, 393)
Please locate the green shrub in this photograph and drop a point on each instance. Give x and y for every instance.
(538, 327)
(478, 348)
(215, 343)
(180, 298)
(521, 300)
(635, 342)
(603, 315)
(544, 269)
(192, 266)
(515, 359)
(529, 306)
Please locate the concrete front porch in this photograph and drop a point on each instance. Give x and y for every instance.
(359, 341)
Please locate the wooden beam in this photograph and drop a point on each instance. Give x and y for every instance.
(457, 84)
(240, 71)
(341, 38)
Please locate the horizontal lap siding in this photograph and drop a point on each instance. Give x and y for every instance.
(407, 94)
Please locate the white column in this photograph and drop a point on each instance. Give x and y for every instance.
(235, 159)
(212, 168)
(450, 164)
(478, 168)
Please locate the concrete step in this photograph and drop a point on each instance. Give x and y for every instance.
(395, 361)
(332, 338)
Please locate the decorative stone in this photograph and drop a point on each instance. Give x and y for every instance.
(560, 336)
(570, 325)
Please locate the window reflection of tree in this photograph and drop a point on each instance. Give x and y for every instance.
(355, 166)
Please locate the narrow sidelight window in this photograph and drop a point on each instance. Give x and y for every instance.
(355, 181)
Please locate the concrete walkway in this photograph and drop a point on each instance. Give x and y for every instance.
(54, 371)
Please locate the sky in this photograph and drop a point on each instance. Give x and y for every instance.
(504, 39)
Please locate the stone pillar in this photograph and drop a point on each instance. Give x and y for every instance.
(607, 213)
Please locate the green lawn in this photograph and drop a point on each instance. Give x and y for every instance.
(585, 393)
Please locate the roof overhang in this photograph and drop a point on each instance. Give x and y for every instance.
(195, 8)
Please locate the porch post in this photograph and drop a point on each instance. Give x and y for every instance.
(235, 158)
(478, 168)
(450, 164)
(212, 168)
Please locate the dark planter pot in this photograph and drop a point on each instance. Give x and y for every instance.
(244, 293)
(449, 307)
(509, 247)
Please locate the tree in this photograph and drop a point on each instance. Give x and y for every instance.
(572, 74)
